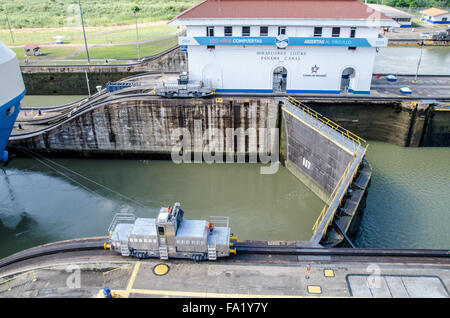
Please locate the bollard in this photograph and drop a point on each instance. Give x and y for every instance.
(308, 268)
(107, 292)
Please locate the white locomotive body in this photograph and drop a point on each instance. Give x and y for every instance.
(170, 236)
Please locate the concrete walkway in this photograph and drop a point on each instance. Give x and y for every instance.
(266, 277)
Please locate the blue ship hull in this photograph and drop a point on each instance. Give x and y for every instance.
(8, 116)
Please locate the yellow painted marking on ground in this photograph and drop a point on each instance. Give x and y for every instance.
(314, 289)
(175, 293)
(328, 273)
(161, 269)
(134, 275)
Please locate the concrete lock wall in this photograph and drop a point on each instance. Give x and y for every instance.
(71, 79)
(318, 161)
(151, 127)
(437, 132)
(395, 122)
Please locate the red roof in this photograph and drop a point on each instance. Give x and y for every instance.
(31, 46)
(434, 12)
(287, 9)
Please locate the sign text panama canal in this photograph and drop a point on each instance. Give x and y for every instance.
(280, 55)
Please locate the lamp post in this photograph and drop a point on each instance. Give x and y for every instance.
(86, 47)
(416, 78)
(135, 10)
(9, 25)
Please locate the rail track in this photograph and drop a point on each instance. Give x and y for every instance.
(243, 248)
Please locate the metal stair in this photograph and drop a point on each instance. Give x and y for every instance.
(124, 249)
(163, 253)
(212, 252)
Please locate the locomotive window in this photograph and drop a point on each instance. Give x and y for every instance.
(160, 230)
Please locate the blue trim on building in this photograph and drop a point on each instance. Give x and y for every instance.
(405, 25)
(296, 41)
(290, 91)
(222, 90)
(437, 22)
(311, 91)
(359, 92)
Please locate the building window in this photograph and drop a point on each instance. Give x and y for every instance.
(209, 31)
(282, 30)
(352, 32)
(228, 31)
(210, 47)
(246, 31)
(336, 32)
(160, 230)
(352, 48)
(264, 31)
(317, 31)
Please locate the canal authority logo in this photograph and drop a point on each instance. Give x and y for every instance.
(315, 69)
(315, 72)
(282, 41)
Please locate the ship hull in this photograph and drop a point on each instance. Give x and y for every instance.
(12, 90)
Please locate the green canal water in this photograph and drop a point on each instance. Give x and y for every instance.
(407, 206)
(49, 100)
(39, 205)
(404, 60)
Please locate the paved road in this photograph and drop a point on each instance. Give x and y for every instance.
(428, 87)
(260, 276)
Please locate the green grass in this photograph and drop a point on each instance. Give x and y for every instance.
(61, 13)
(107, 35)
(129, 51)
(46, 52)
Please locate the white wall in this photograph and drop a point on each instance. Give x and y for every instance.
(240, 67)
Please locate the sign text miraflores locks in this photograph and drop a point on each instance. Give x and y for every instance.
(280, 55)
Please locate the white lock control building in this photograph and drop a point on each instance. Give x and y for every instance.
(292, 46)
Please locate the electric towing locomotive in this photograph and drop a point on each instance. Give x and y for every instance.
(169, 235)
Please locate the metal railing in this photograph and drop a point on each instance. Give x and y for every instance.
(328, 122)
(223, 220)
(107, 275)
(331, 198)
(346, 134)
(10, 280)
(121, 218)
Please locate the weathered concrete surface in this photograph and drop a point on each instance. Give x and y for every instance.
(71, 80)
(398, 123)
(154, 126)
(312, 156)
(437, 132)
(70, 83)
(263, 278)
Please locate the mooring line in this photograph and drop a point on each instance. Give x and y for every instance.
(30, 152)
